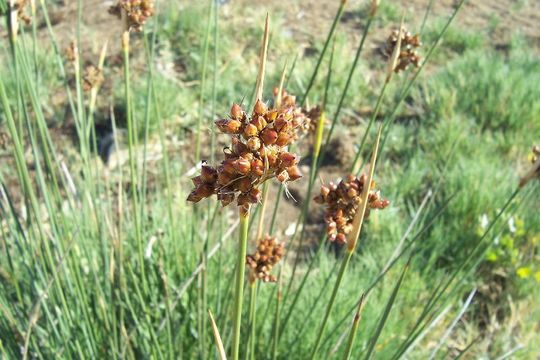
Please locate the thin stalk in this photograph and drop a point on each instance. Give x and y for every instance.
(239, 286)
(250, 353)
(354, 167)
(276, 334)
(131, 151)
(325, 47)
(206, 45)
(354, 328)
(217, 338)
(347, 85)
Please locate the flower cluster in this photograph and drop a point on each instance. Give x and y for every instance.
(19, 6)
(534, 172)
(93, 78)
(136, 12)
(301, 116)
(258, 153)
(269, 253)
(343, 201)
(407, 55)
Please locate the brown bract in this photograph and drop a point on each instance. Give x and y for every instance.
(269, 252)
(93, 78)
(408, 52)
(137, 12)
(343, 201)
(258, 152)
(20, 7)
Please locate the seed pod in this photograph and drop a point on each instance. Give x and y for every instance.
(283, 139)
(243, 166)
(208, 174)
(226, 198)
(259, 122)
(294, 173)
(283, 176)
(250, 130)
(269, 136)
(228, 166)
(257, 167)
(271, 116)
(237, 112)
(281, 124)
(239, 147)
(260, 107)
(225, 178)
(288, 159)
(253, 143)
(244, 184)
(255, 195)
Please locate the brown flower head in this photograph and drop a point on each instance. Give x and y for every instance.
(93, 78)
(269, 252)
(258, 152)
(534, 172)
(20, 7)
(408, 51)
(342, 202)
(136, 12)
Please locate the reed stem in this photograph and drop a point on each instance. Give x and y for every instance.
(239, 286)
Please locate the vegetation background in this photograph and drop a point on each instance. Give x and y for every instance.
(101, 256)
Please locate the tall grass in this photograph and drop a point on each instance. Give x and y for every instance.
(111, 262)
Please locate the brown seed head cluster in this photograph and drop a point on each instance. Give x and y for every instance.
(20, 7)
(71, 52)
(137, 12)
(269, 253)
(300, 115)
(93, 78)
(408, 51)
(534, 172)
(258, 153)
(342, 202)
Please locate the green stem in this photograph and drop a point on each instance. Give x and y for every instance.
(133, 170)
(325, 47)
(344, 265)
(354, 329)
(239, 286)
(250, 353)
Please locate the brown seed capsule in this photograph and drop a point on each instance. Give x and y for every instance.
(283, 139)
(294, 173)
(271, 116)
(225, 178)
(260, 107)
(237, 112)
(259, 122)
(208, 174)
(269, 136)
(243, 166)
(255, 195)
(288, 159)
(250, 130)
(228, 166)
(283, 176)
(226, 198)
(254, 143)
(281, 124)
(229, 126)
(244, 184)
(257, 167)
